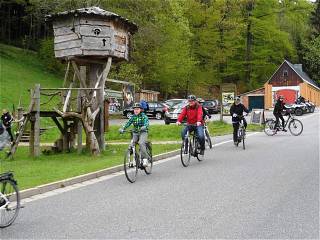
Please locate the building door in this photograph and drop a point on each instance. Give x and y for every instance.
(256, 102)
(290, 95)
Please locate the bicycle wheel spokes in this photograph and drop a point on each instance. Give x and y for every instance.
(269, 128)
(295, 127)
(185, 153)
(130, 166)
(9, 202)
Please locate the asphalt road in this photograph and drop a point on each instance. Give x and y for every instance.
(270, 190)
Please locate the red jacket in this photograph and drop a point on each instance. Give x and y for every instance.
(193, 114)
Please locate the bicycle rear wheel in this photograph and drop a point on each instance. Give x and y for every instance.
(208, 139)
(185, 153)
(131, 166)
(269, 128)
(295, 127)
(148, 168)
(198, 155)
(9, 202)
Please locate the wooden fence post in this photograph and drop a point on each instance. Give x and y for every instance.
(36, 130)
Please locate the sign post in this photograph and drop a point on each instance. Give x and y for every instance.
(257, 116)
(228, 93)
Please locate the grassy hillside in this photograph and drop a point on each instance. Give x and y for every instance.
(19, 71)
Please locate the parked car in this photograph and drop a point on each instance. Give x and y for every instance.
(156, 110)
(171, 102)
(172, 114)
(211, 106)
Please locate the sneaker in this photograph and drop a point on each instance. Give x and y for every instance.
(235, 143)
(285, 130)
(144, 162)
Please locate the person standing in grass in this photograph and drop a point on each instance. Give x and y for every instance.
(140, 123)
(7, 119)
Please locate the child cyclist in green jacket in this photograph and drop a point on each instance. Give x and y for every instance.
(140, 123)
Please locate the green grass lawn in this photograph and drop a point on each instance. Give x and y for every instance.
(156, 133)
(20, 70)
(31, 172)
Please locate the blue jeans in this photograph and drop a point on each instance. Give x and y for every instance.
(199, 133)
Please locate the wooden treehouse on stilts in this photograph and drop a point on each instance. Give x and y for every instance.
(88, 40)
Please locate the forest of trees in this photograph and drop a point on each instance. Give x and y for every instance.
(188, 45)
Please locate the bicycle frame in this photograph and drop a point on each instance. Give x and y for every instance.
(132, 146)
(193, 138)
(290, 117)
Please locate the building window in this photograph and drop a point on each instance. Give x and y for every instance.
(285, 73)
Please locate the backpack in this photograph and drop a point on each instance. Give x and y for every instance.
(144, 105)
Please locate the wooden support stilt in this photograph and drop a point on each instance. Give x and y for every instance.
(100, 100)
(65, 137)
(31, 139)
(36, 151)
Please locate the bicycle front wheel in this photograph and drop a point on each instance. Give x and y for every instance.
(269, 127)
(185, 153)
(148, 168)
(131, 166)
(9, 202)
(243, 143)
(295, 127)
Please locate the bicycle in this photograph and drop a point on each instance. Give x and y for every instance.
(133, 160)
(241, 134)
(295, 126)
(190, 147)
(9, 199)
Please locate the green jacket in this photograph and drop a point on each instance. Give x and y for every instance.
(138, 121)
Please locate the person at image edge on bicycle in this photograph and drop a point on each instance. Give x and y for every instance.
(277, 112)
(193, 113)
(140, 123)
(236, 111)
(205, 113)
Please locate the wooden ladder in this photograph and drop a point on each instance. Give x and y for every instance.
(22, 127)
(15, 144)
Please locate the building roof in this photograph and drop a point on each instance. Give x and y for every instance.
(148, 91)
(252, 91)
(302, 74)
(297, 68)
(94, 11)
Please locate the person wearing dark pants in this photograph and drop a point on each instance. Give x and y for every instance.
(236, 111)
(277, 112)
(193, 113)
(7, 119)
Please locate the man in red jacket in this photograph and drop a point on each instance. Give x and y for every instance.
(193, 113)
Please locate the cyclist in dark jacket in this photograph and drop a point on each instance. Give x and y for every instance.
(205, 113)
(236, 111)
(277, 112)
